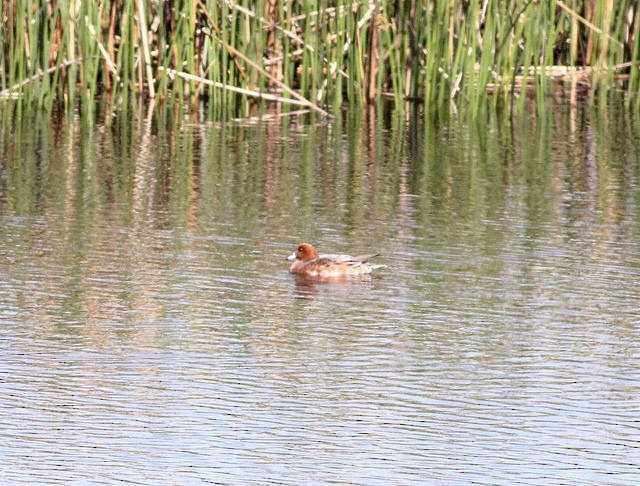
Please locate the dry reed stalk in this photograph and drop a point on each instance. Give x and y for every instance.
(145, 46)
(111, 42)
(372, 53)
(103, 51)
(272, 116)
(288, 33)
(243, 91)
(584, 21)
(233, 51)
(217, 30)
(12, 91)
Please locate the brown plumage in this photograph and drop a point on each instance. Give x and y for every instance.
(308, 263)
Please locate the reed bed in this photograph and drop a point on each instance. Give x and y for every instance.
(317, 55)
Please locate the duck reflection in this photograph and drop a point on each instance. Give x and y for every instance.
(308, 287)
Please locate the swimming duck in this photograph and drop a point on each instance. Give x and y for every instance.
(308, 263)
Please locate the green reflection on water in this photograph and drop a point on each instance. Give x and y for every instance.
(170, 170)
(119, 197)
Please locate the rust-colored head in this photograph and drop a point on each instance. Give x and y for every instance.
(304, 253)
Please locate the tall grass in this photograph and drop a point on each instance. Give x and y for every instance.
(318, 54)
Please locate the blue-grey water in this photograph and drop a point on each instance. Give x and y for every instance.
(150, 332)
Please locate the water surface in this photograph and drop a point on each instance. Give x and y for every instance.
(151, 334)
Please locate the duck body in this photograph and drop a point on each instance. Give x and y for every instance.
(307, 262)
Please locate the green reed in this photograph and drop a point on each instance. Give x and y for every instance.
(318, 54)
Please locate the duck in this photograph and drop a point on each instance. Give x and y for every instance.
(308, 263)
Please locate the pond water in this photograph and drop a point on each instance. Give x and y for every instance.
(150, 332)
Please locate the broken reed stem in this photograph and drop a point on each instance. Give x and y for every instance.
(13, 90)
(244, 91)
(103, 51)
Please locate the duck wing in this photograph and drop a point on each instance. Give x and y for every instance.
(364, 258)
(335, 258)
(348, 258)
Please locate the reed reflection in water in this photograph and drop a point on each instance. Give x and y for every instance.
(151, 333)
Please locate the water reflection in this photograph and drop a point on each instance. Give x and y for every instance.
(145, 299)
(307, 287)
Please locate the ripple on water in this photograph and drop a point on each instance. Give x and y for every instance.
(169, 344)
